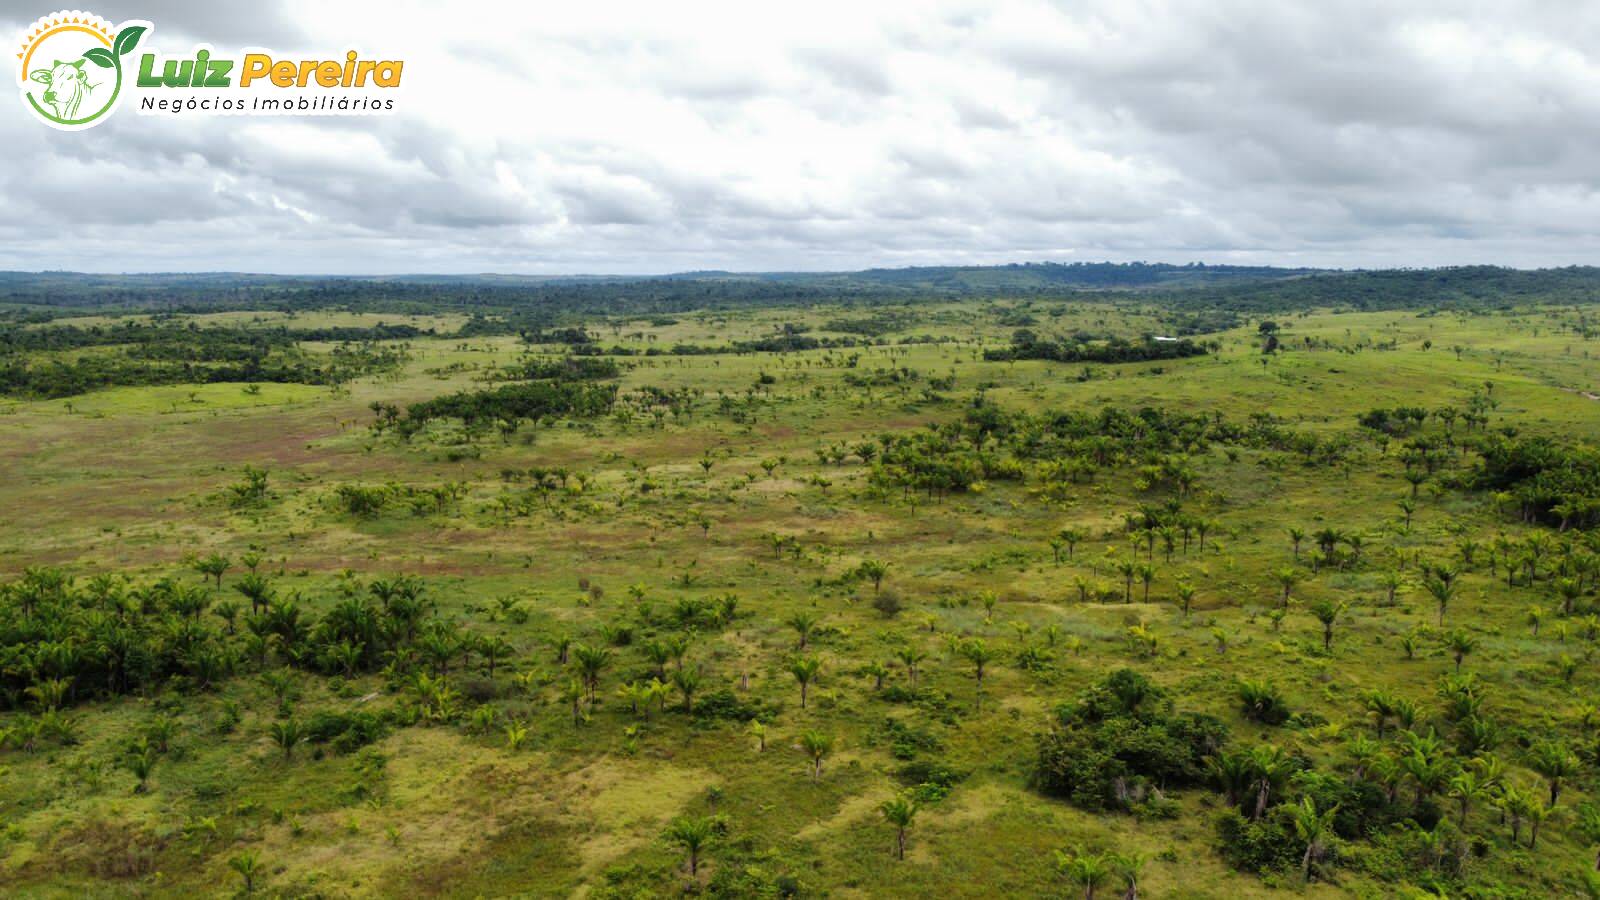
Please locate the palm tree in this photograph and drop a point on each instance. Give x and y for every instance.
(141, 761)
(1185, 597)
(255, 589)
(1569, 590)
(1070, 537)
(1391, 582)
(1555, 762)
(1147, 574)
(493, 649)
(286, 734)
(805, 670)
(1460, 644)
(1536, 814)
(1127, 569)
(1272, 767)
(248, 864)
(516, 734)
(874, 571)
(1316, 829)
(1296, 535)
(803, 624)
(573, 692)
(1087, 869)
(687, 681)
(979, 654)
(1514, 806)
(213, 566)
(1128, 867)
(910, 657)
(817, 745)
(1465, 788)
(1327, 612)
(1287, 577)
(658, 653)
(692, 834)
(1441, 588)
(759, 729)
(899, 812)
(591, 662)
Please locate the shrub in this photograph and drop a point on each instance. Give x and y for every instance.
(346, 732)
(1263, 702)
(1268, 845)
(1121, 743)
(725, 705)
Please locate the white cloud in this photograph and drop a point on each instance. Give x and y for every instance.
(651, 137)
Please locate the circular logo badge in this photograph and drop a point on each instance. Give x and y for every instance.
(70, 67)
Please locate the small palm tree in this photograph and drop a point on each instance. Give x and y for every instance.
(1087, 869)
(1185, 592)
(804, 669)
(692, 834)
(759, 729)
(248, 865)
(1287, 577)
(1327, 612)
(910, 657)
(141, 761)
(286, 734)
(804, 625)
(591, 661)
(687, 681)
(213, 566)
(816, 745)
(1315, 828)
(1441, 588)
(574, 693)
(516, 734)
(494, 649)
(979, 654)
(1147, 574)
(1465, 788)
(1459, 643)
(874, 571)
(1555, 762)
(899, 812)
(1128, 867)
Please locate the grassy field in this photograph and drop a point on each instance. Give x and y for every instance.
(135, 482)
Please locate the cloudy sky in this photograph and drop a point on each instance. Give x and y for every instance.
(657, 137)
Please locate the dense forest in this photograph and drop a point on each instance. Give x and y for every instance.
(536, 301)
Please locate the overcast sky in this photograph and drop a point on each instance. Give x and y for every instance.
(658, 137)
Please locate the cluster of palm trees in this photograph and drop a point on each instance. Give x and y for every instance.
(1260, 779)
(1090, 871)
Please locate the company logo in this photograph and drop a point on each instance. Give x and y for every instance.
(74, 67)
(70, 68)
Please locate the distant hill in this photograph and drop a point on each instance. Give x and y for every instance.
(1242, 288)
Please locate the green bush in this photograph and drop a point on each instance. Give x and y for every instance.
(1121, 744)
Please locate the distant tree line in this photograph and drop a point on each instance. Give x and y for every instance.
(1026, 344)
(531, 401)
(530, 302)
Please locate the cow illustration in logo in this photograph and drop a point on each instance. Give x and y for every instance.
(70, 67)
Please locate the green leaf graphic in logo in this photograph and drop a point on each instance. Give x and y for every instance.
(100, 56)
(127, 39)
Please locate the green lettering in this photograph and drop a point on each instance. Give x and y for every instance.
(219, 73)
